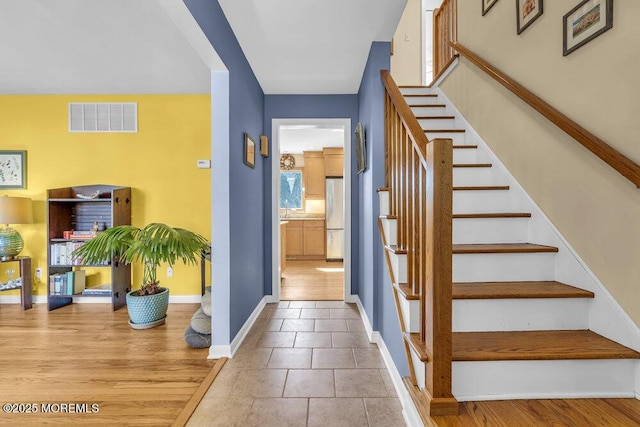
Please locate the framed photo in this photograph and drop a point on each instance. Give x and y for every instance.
(527, 11)
(486, 5)
(585, 22)
(264, 146)
(13, 169)
(249, 151)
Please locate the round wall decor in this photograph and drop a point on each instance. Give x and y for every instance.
(287, 161)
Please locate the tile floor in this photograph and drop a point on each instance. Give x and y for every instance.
(304, 363)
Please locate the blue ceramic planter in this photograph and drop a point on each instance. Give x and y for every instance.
(148, 308)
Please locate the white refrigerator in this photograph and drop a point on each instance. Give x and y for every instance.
(334, 215)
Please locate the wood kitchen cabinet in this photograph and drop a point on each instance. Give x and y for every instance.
(305, 239)
(294, 239)
(314, 175)
(333, 161)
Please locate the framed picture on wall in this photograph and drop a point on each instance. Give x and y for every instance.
(527, 11)
(585, 22)
(486, 5)
(249, 151)
(13, 169)
(264, 146)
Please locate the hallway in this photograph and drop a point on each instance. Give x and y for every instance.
(304, 363)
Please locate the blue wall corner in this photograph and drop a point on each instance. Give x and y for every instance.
(237, 197)
(374, 284)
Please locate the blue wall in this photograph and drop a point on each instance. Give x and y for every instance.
(238, 200)
(374, 284)
(311, 107)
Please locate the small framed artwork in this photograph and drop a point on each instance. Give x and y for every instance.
(249, 151)
(527, 11)
(264, 146)
(13, 169)
(486, 5)
(361, 149)
(585, 22)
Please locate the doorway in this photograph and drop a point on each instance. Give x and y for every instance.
(309, 276)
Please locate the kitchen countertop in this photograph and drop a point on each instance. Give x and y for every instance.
(303, 219)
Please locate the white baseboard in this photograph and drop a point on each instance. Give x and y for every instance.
(185, 299)
(409, 411)
(224, 350)
(42, 299)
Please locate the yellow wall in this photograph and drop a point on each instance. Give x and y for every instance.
(406, 65)
(596, 209)
(158, 163)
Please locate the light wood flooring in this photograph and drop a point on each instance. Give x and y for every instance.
(86, 353)
(312, 281)
(558, 412)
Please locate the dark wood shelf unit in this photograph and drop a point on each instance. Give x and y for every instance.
(66, 211)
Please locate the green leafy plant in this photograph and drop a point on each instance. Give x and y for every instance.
(152, 245)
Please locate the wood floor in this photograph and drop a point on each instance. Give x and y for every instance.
(559, 412)
(86, 353)
(312, 281)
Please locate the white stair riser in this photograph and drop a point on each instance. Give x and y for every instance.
(503, 267)
(415, 90)
(429, 111)
(419, 368)
(541, 314)
(465, 155)
(437, 123)
(399, 267)
(390, 227)
(421, 100)
(384, 202)
(543, 379)
(457, 137)
(490, 230)
(484, 201)
(410, 314)
(463, 177)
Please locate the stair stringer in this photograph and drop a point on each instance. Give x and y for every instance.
(605, 315)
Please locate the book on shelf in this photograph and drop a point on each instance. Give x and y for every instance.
(62, 254)
(103, 289)
(69, 283)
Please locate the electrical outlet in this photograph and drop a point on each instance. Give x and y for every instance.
(38, 273)
(169, 272)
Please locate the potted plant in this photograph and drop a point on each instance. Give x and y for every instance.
(151, 245)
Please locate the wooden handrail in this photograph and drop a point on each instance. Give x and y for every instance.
(443, 70)
(618, 161)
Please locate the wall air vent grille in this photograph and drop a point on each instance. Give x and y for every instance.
(103, 117)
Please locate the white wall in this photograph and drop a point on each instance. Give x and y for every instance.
(595, 208)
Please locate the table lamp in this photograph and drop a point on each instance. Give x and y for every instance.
(13, 210)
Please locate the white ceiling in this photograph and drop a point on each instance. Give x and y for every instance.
(311, 46)
(299, 138)
(155, 46)
(98, 46)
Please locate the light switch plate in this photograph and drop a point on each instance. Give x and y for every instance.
(204, 164)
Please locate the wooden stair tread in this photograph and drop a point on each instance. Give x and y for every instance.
(537, 345)
(444, 130)
(472, 165)
(492, 215)
(505, 290)
(394, 249)
(419, 346)
(412, 87)
(406, 291)
(382, 189)
(388, 217)
(481, 188)
(501, 248)
(428, 106)
(435, 117)
(461, 147)
(415, 95)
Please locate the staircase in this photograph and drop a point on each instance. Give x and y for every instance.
(520, 318)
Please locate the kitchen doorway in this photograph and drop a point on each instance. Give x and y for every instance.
(311, 209)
